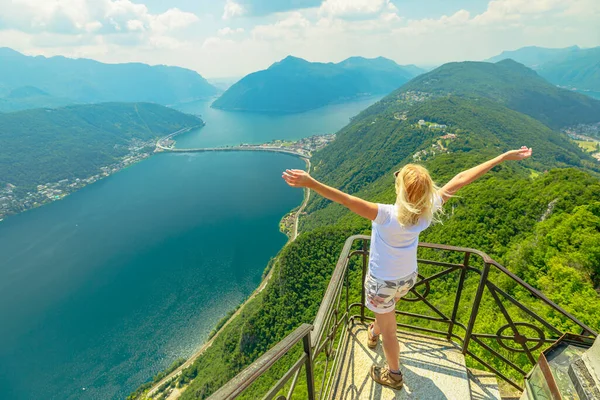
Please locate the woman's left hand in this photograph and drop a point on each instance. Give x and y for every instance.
(297, 178)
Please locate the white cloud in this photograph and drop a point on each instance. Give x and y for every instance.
(233, 9)
(293, 26)
(227, 31)
(335, 30)
(135, 25)
(81, 16)
(356, 9)
(172, 19)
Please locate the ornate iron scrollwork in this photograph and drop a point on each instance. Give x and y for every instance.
(521, 339)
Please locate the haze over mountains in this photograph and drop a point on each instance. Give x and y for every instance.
(572, 67)
(31, 82)
(296, 85)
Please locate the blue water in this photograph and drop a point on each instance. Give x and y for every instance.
(103, 289)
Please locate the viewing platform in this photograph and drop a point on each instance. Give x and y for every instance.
(496, 338)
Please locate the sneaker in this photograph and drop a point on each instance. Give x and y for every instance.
(371, 339)
(384, 376)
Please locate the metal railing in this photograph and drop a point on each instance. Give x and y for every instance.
(523, 332)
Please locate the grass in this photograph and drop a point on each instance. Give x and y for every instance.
(590, 147)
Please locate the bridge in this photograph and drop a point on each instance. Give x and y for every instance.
(163, 149)
(234, 148)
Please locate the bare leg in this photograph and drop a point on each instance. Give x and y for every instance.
(386, 324)
(376, 330)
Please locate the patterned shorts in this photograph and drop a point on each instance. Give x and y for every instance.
(382, 295)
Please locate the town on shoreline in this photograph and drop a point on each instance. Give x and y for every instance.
(14, 201)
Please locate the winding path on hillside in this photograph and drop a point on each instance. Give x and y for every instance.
(304, 203)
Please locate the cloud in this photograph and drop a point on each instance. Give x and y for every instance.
(85, 16)
(292, 26)
(356, 9)
(265, 7)
(330, 31)
(227, 31)
(233, 9)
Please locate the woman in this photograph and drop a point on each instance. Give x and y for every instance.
(394, 240)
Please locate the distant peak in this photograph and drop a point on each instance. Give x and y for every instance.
(290, 61)
(363, 59)
(8, 51)
(508, 61)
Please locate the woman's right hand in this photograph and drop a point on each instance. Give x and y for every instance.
(521, 154)
(297, 178)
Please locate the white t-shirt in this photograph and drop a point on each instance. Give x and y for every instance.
(393, 252)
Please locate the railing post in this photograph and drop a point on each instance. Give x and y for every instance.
(347, 313)
(461, 281)
(475, 310)
(364, 275)
(310, 381)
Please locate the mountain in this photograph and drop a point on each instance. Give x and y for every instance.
(70, 81)
(47, 145)
(512, 84)
(296, 85)
(533, 56)
(28, 97)
(540, 217)
(572, 67)
(578, 69)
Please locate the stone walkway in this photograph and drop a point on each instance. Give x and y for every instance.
(433, 369)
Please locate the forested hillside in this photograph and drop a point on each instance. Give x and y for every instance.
(32, 82)
(579, 69)
(47, 145)
(540, 218)
(511, 84)
(572, 67)
(295, 85)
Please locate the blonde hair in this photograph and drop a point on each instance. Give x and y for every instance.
(415, 192)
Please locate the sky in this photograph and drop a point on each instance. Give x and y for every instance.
(231, 38)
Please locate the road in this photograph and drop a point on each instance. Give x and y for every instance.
(304, 203)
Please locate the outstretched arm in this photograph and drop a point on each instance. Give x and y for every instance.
(299, 178)
(468, 176)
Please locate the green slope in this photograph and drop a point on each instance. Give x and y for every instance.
(377, 141)
(45, 145)
(541, 217)
(513, 85)
(579, 69)
(572, 67)
(295, 85)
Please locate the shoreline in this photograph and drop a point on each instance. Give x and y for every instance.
(263, 284)
(154, 389)
(103, 174)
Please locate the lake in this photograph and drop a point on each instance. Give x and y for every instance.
(101, 290)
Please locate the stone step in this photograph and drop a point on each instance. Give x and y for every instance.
(433, 369)
(483, 384)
